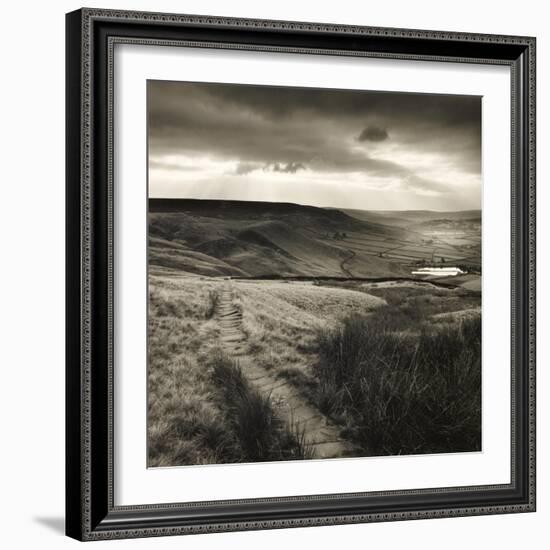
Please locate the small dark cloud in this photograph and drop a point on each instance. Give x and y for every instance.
(373, 133)
(288, 168)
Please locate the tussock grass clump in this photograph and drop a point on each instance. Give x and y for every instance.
(212, 303)
(260, 434)
(398, 394)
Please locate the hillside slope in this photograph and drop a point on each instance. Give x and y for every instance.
(412, 218)
(241, 238)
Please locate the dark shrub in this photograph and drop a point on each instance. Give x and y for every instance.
(399, 393)
(260, 433)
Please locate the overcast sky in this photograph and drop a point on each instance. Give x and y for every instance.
(348, 149)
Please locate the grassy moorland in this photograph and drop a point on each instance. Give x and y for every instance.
(281, 320)
(184, 424)
(394, 363)
(201, 409)
(395, 366)
(403, 379)
(253, 239)
(397, 393)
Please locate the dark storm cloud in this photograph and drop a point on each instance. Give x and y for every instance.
(244, 168)
(288, 168)
(373, 133)
(279, 103)
(289, 129)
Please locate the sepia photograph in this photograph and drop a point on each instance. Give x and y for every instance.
(314, 273)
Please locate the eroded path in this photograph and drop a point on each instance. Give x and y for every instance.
(351, 255)
(320, 434)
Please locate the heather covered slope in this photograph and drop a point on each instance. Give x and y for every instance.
(240, 238)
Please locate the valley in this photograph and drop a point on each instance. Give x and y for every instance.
(282, 332)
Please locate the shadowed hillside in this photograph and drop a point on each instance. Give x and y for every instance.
(241, 238)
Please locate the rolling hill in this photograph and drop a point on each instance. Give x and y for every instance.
(411, 218)
(262, 239)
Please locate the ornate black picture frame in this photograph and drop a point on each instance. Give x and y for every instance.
(90, 509)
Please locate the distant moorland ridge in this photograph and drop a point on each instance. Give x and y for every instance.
(251, 238)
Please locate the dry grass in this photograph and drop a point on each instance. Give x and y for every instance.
(259, 434)
(281, 320)
(184, 424)
(407, 377)
(398, 394)
(188, 423)
(314, 337)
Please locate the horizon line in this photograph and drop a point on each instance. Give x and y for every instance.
(317, 206)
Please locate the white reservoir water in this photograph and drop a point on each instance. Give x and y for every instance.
(439, 271)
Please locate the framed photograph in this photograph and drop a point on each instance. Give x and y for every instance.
(300, 274)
